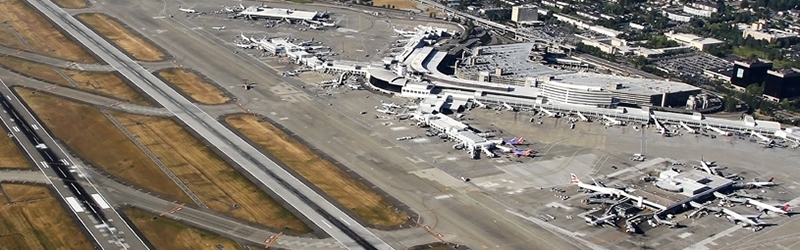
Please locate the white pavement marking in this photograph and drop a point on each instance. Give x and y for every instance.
(701, 245)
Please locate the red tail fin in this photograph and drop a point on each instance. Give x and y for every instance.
(521, 140)
(573, 179)
(785, 208)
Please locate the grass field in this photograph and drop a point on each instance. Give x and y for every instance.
(194, 86)
(8, 39)
(215, 182)
(33, 69)
(130, 41)
(37, 31)
(168, 234)
(10, 154)
(107, 83)
(398, 4)
(32, 218)
(354, 195)
(71, 4)
(90, 134)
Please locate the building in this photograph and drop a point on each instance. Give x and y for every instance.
(699, 43)
(749, 72)
(506, 64)
(589, 89)
(696, 11)
(278, 13)
(524, 13)
(760, 31)
(781, 84)
(678, 17)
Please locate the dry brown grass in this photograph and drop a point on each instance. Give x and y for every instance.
(8, 39)
(32, 218)
(71, 4)
(131, 42)
(90, 134)
(107, 83)
(398, 4)
(10, 155)
(354, 195)
(194, 86)
(33, 69)
(215, 182)
(42, 36)
(168, 234)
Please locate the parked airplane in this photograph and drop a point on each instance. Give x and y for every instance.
(603, 190)
(247, 39)
(308, 42)
(218, 27)
(605, 220)
(745, 220)
(784, 209)
(514, 141)
(519, 152)
(187, 10)
(768, 183)
(706, 167)
(508, 107)
(246, 46)
(390, 105)
(504, 148)
(385, 111)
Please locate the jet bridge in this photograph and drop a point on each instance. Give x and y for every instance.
(719, 131)
(583, 117)
(688, 129)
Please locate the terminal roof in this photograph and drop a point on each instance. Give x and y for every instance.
(511, 58)
(625, 84)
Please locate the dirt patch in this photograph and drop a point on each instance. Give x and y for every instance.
(10, 155)
(8, 38)
(40, 34)
(107, 83)
(395, 4)
(72, 4)
(193, 85)
(215, 182)
(33, 69)
(130, 41)
(168, 234)
(32, 218)
(353, 195)
(92, 136)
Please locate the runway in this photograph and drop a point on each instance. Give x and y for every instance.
(293, 191)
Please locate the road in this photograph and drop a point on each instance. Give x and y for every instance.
(104, 225)
(297, 194)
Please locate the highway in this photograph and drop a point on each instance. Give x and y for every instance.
(297, 194)
(104, 225)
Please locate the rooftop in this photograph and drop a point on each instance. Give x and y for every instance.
(625, 84)
(511, 58)
(685, 37)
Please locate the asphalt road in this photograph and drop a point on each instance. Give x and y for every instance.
(297, 194)
(104, 225)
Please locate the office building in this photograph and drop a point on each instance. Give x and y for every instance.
(749, 72)
(781, 84)
(524, 13)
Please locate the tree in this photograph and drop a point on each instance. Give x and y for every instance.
(785, 104)
(744, 4)
(730, 104)
(755, 89)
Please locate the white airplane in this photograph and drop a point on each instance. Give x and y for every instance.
(246, 45)
(245, 38)
(488, 152)
(746, 220)
(784, 209)
(504, 148)
(390, 105)
(605, 220)
(187, 10)
(708, 168)
(218, 27)
(767, 183)
(688, 129)
(583, 117)
(508, 107)
(385, 111)
(603, 190)
(719, 131)
(306, 43)
(548, 112)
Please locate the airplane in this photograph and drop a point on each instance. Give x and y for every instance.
(505, 149)
(605, 220)
(514, 141)
(488, 152)
(767, 183)
(245, 38)
(508, 107)
(520, 153)
(306, 43)
(769, 208)
(603, 190)
(404, 33)
(289, 73)
(245, 46)
(747, 220)
(385, 111)
(707, 167)
(218, 27)
(187, 10)
(390, 105)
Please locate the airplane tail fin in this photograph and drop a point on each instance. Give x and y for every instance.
(785, 208)
(770, 179)
(573, 179)
(521, 140)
